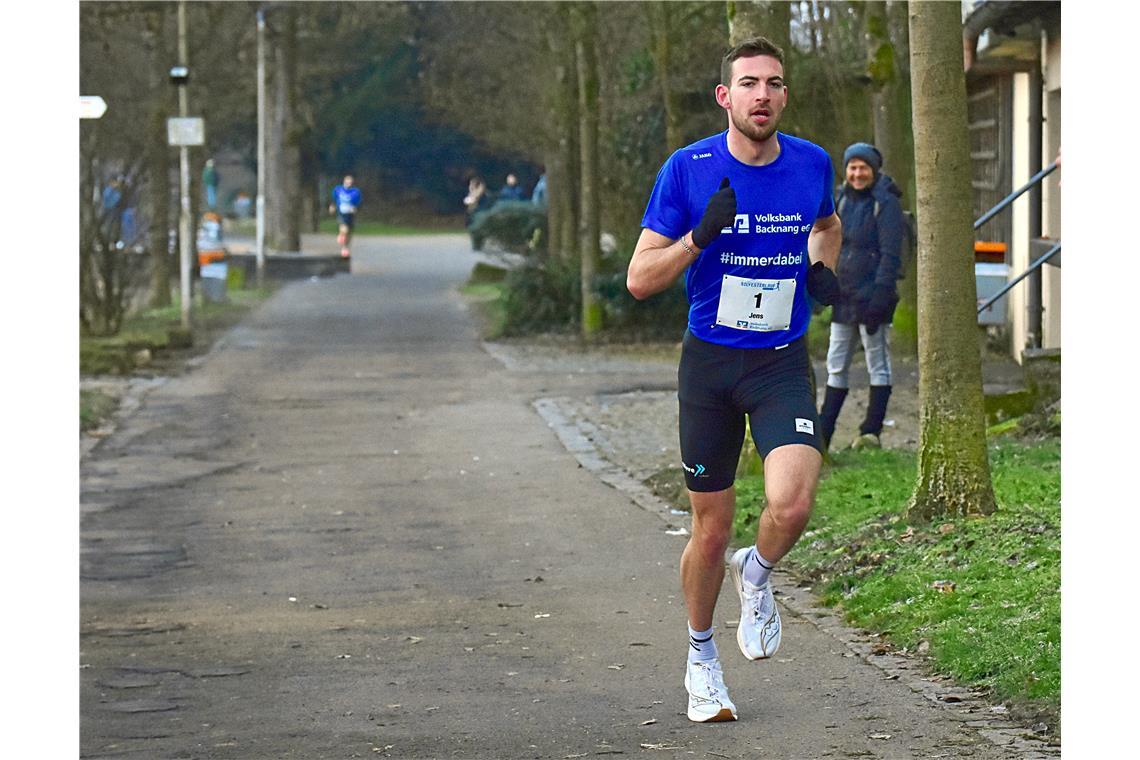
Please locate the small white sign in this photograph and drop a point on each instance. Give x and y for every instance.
(91, 106)
(189, 130)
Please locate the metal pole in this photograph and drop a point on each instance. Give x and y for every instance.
(184, 228)
(260, 147)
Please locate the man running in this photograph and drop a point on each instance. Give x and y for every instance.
(346, 199)
(748, 216)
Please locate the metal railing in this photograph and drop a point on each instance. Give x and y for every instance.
(1001, 206)
(1015, 195)
(1032, 268)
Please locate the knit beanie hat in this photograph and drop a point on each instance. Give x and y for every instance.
(864, 152)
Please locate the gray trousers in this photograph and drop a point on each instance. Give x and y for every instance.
(841, 350)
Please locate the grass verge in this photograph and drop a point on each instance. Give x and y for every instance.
(95, 407)
(979, 597)
(154, 340)
(484, 289)
(364, 227)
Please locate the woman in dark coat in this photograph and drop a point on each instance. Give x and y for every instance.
(870, 263)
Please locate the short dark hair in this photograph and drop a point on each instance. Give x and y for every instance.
(748, 48)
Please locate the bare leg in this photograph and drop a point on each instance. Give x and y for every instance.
(344, 238)
(702, 562)
(790, 476)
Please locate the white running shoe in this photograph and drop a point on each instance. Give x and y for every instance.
(758, 632)
(708, 697)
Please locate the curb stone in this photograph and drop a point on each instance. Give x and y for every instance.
(132, 392)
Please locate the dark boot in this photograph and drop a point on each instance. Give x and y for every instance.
(876, 410)
(832, 403)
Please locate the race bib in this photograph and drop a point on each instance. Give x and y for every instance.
(347, 208)
(759, 305)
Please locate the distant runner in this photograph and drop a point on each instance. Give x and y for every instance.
(345, 201)
(747, 216)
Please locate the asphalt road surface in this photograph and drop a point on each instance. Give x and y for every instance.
(349, 533)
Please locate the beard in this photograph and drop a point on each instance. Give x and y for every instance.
(755, 132)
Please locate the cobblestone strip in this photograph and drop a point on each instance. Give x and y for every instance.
(578, 436)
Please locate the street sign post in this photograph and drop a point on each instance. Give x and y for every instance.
(91, 106)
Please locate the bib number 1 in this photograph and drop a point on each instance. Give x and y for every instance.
(757, 305)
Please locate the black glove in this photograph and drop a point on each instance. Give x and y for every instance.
(719, 213)
(822, 284)
(878, 307)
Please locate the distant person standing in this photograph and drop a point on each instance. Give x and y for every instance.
(210, 182)
(870, 262)
(511, 191)
(243, 206)
(477, 199)
(345, 201)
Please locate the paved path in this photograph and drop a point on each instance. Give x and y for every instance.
(350, 533)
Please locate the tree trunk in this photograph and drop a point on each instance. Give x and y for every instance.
(554, 219)
(900, 139)
(562, 151)
(880, 70)
(660, 26)
(953, 469)
(156, 201)
(283, 154)
(585, 31)
(563, 185)
(747, 18)
(898, 152)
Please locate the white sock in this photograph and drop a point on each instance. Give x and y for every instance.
(701, 645)
(756, 568)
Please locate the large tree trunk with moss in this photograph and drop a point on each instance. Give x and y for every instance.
(953, 469)
(585, 31)
(765, 19)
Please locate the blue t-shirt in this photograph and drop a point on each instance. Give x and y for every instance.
(756, 260)
(345, 199)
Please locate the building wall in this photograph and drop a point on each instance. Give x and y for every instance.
(1020, 253)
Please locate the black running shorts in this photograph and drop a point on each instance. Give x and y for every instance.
(718, 385)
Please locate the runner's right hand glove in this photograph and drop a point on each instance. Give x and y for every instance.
(719, 213)
(822, 284)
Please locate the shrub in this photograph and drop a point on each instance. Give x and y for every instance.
(542, 294)
(511, 225)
